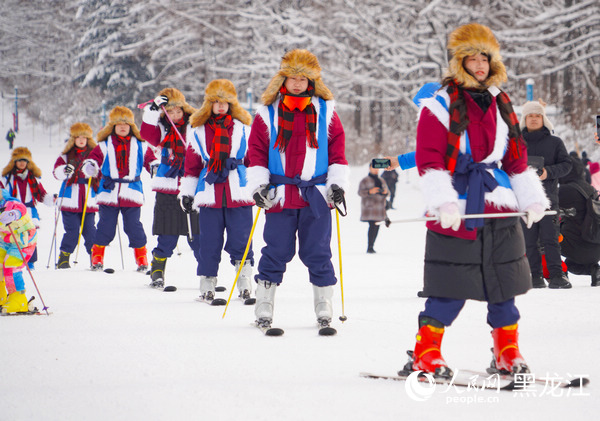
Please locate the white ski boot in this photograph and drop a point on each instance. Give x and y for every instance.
(207, 287)
(324, 309)
(244, 282)
(265, 298)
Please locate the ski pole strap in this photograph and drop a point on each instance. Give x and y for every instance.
(339, 209)
(481, 215)
(315, 199)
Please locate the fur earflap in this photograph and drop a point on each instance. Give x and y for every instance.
(18, 154)
(177, 99)
(118, 115)
(80, 129)
(535, 107)
(297, 63)
(220, 90)
(470, 40)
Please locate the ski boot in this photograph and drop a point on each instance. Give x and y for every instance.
(427, 355)
(3, 294)
(244, 285)
(157, 273)
(16, 303)
(141, 258)
(63, 260)
(207, 287)
(507, 358)
(324, 309)
(98, 257)
(265, 302)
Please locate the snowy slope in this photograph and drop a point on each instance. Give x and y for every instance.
(113, 349)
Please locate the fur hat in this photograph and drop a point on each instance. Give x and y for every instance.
(220, 90)
(80, 129)
(119, 115)
(533, 107)
(176, 99)
(297, 63)
(469, 40)
(18, 154)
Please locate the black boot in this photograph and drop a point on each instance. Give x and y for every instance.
(63, 260)
(371, 236)
(595, 272)
(538, 281)
(157, 271)
(559, 281)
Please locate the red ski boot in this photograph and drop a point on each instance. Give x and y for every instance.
(97, 257)
(141, 258)
(427, 355)
(507, 358)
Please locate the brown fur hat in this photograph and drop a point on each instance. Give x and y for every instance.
(470, 40)
(297, 63)
(18, 154)
(177, 99)
(79, 129)
(119, 115)
(220, 90)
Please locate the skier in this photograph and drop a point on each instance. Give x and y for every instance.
(73, 192)
(464, 133)
(119, 157)
(170, 221)
(10, 138)
(537, 132)
(297, 144)
(21, 177)
(215, 183)
(373, 191)
(14, 217)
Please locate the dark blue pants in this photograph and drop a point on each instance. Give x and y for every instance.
(107, 226)
(72, 225)
(167, 243)
(446, 310)
(314, 248)
(214, 222)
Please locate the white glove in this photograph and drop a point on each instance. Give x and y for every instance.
(90, 169)
(158, 101)
(7, 217)
(69, 170)
(535, 212)
(450, 216)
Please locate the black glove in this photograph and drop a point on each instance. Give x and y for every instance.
(387, 222)
(69, 170)
(187, 203)
(261, 197)
(336, 194)
(158, 101)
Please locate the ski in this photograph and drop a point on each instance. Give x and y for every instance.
(220, 288)
(170, 288)
(32, 310)
(209, 298)
(265, 327)
(325, 328)
(459, 379)
(246, 299)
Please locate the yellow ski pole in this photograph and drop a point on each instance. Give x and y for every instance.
(87, 194)
(343, 317)
(243, 260)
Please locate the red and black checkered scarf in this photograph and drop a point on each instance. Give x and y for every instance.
(221, 145)
(287, 105)
(173, 142)
(459, 122)
(34, 186)
(122, 146)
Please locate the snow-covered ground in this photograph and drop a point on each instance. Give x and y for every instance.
(114, 349)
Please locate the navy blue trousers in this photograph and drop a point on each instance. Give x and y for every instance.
(446, 310)
(167, 243)
(72, 225)
(107, 226)
(314, 248)
(214, 222)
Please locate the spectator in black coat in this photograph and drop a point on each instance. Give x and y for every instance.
(537, 131)
(391, 178)
(581, 256)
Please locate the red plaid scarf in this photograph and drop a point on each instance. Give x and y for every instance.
(221, 146)
(34, 186)
(122, 146)
(173, 142)
(459, 122)
(287, 105)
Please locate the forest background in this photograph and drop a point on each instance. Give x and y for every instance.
(73, 60)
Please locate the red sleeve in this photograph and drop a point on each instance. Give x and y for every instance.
(150, 133)
(432, 141)
(515, 162)
(97, 155)
(258, 144)
(337, 141)
(193, 163)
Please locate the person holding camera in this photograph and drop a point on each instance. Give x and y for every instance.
(373, 191)
(537, 132)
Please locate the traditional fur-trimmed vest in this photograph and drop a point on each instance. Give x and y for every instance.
(203, 191)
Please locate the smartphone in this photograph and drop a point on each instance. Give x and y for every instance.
(380, 163)
(598, 125)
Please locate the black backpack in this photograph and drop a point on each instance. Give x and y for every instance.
(590, 228)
